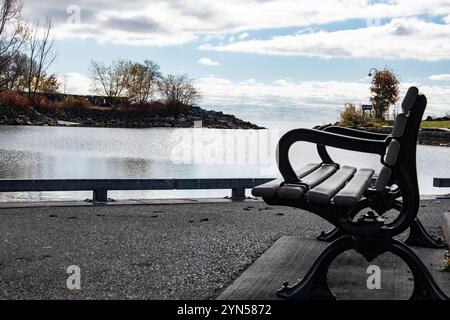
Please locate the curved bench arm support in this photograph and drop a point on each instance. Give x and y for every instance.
(322, 150)
(321, 138)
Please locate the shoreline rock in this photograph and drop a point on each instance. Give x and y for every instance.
(78, 117)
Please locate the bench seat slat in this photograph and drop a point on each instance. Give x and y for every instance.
(323, 193)
(269, 189)
(354, 189)
(291, 191)
(296, 191)
(318, 176)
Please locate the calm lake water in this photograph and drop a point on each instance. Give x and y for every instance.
(77, 153)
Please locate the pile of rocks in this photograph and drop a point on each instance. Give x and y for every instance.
(120, 119)
(24, 117)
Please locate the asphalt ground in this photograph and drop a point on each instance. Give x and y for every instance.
(173, 251)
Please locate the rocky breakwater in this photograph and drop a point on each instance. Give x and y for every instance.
(98, 117)
(24, 117)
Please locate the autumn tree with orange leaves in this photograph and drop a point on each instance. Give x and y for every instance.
(385, 92)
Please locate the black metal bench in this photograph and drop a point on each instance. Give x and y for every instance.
(358, 202)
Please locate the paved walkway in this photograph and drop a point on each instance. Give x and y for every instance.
(179, 251)
(290, 258)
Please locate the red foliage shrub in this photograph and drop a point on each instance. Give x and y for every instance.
(14, 99)
(42, 101)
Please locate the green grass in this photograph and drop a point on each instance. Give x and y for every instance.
(435, 124)
(380, 123)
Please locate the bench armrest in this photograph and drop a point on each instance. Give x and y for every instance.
(321, 138)
(322, 150)
(356, 133)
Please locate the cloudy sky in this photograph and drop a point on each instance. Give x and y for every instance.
(262, 59)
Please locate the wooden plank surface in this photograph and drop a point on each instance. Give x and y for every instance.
(290, 258)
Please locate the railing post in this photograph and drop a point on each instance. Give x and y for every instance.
(441, 182)
(100, 195)
(238, 194)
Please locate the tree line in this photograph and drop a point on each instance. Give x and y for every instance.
(141, 83)
(27, 51)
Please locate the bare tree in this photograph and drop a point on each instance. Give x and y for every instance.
(13, 34)
(142, 81)
(13, 31)
(109, 81)
(42, 55)
(13, 73)
(176, 89)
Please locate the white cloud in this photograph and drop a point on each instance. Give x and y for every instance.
(208, 62)
(400, 39)
(287, 100)
(440, 77)
(160, 22)
(74, 83)
(243, 36)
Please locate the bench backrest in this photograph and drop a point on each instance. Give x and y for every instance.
(403, 139)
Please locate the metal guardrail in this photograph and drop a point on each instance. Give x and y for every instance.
(441, 182)
(100, 187)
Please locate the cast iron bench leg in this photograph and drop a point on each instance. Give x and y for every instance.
(419, 237)
(425, 287)
(332, 235)
(315, 286)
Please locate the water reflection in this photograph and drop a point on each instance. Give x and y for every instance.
(104, 153)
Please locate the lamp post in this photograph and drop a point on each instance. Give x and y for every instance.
(372, 73)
